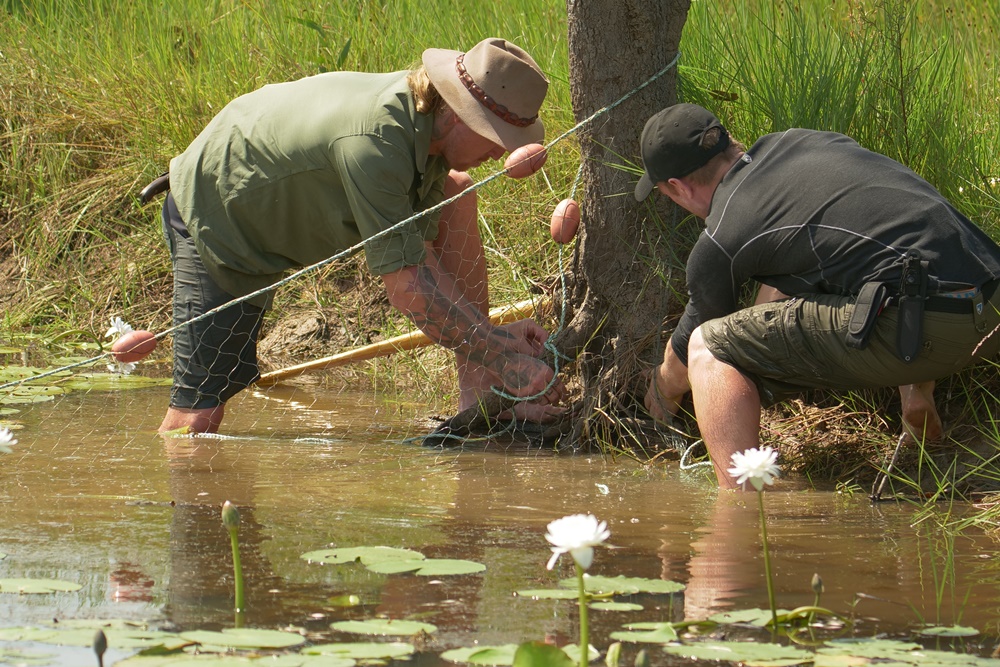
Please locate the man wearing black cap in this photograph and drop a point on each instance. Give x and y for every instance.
(880, 281)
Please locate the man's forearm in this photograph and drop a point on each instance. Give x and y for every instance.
(428, 298)
(667, 386)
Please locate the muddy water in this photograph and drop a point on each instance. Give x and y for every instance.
(92, 495)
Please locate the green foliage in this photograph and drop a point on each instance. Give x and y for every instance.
(98, 96)
(911, 80)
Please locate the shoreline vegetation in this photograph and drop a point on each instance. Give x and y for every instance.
(96, 97)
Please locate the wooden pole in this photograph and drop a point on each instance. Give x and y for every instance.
(408, 341)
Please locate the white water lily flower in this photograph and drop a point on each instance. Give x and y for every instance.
(118, 328)
(6, 438)
(756, 465)
(576, 535)
(121, 368)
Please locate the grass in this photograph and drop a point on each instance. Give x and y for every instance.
(97, 96)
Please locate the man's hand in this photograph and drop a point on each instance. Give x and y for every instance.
(668, 383)
(524, 375)
(659, 405)
(530, 336)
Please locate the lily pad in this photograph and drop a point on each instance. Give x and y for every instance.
(548, 594)
(573, 651)
(757, 617)
(243, 638)
(37, 586)
(482, 655)
(868, 648)
(364, 650)
(364, 555)
(80, 632)
(748, 653)
(616, 606)
(431, 567)
(851, 652)
(19, 397)
(384, 626)
(11, 656)
(537, 654)
(113, 382)
(348, 600)
(206, 660)
(647, 633)
(39, 390)
(949, 631)
(11, 373)
(622, 585)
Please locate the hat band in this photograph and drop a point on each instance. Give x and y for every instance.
(502, 112)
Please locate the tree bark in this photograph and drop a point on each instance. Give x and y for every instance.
(621, 284)
(627, 265)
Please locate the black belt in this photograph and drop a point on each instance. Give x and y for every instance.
(958, 305)
(159, 185)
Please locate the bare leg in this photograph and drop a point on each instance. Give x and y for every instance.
(921, 422)
(202, 420)
(726, 405)
(460, 249)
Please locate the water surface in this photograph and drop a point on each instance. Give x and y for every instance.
(93, 495)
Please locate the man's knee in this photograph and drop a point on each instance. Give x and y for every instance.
(699, 356)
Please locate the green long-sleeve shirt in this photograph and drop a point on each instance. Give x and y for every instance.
(294, 173)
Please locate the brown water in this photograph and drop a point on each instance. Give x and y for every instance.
(316, 468)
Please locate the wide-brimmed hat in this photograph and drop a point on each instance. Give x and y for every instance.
(495, 88)
(673, 144)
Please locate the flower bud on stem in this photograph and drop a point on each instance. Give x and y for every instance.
(231, 521)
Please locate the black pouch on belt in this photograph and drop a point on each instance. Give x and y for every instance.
(866, 310)
(912, 294)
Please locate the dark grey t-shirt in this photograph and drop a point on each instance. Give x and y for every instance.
(811, 212)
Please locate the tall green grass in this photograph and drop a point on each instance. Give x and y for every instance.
(98, 95)
(912, 80)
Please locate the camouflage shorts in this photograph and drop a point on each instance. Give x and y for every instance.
(787, 347)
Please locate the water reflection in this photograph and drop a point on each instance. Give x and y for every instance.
(94, 496)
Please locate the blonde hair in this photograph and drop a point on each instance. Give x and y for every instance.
(426, 98)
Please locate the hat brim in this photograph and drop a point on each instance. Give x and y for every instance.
(440, 67)
(644, 187)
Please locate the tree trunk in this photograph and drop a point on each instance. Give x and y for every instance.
(628, 263)
(621, 281)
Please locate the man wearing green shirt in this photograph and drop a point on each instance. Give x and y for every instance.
(296, 172)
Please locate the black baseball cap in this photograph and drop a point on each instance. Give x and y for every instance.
(672, 144)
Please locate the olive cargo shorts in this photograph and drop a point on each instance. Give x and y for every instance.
(787, 347)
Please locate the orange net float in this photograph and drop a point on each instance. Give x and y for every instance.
(525, 161)
(134, 346)
(565, 221)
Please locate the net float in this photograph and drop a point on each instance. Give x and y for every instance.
(525, 161)
(133, 346)
(565, 221)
